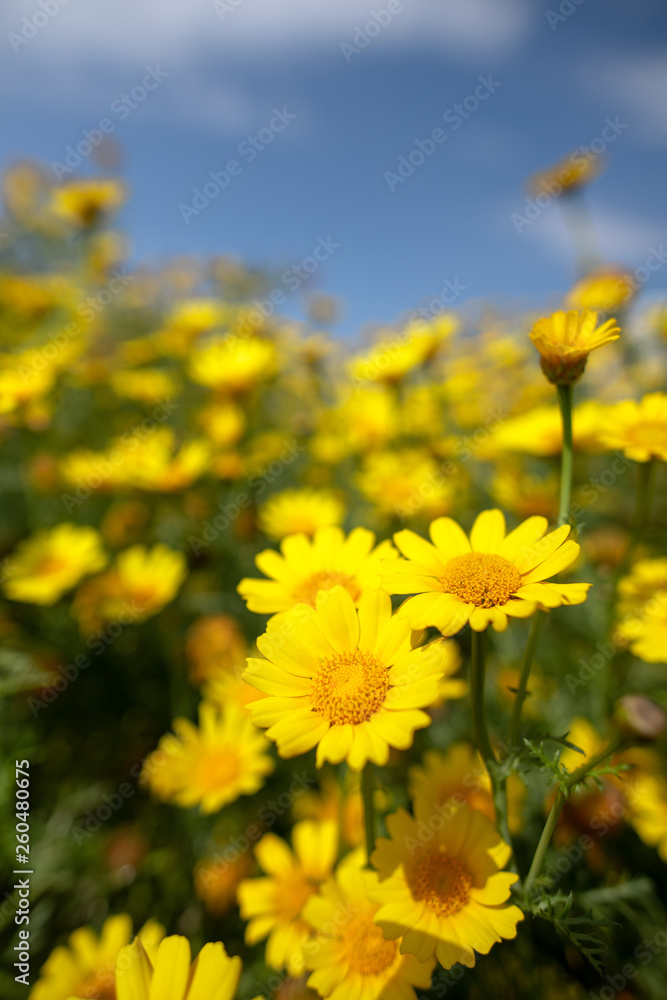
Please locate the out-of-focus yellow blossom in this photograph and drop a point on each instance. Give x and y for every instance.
(603, 291)
(565, 339)
(51, 562)
(523, 494)
(139, 584)
(391, 361)
(106, 250)
(168, 972)
(457, 778)
(233, 365)
(300, 511)
(408, 483)
(24, 190)
(123, 522)
(137, 351)
(645, 630)
(352, 681)
(84, 202)
(20, 385)
(214, 645)
(209, 766)
(307, 566)
(223, 423)
(365, 420)
(338, 800)
(229, 688)
(540, 432)
(421, 413)
(146, 385)
(349, 954)
(273, 905)
(645, 581)
(485, 579)
(639, 430)
(217, 881)
(569, 174)
(647, 796)
(446, 896)
(86, 965)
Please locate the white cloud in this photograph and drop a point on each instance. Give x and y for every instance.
(639, 85)
(124, 31)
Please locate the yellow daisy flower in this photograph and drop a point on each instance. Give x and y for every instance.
(146, 385)
(214, 645)
(565, 339)
(51, 562)
(139, 584)
(458, 778)
(441, 885)
(233, 364)
(305, 567)
(605, 290)
(350, 956)
(349, 681)
(85, 201)
(300, 511)
(211, 765)
(647, 795)
(483, 580)
(168, 973)
(639, 430)
(567, 175)
(85, 966)
(273, 904)
(646, 630)
(646, 578)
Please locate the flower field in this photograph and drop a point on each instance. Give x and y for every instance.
(328, 669)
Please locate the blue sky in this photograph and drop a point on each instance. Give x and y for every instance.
(557, 78)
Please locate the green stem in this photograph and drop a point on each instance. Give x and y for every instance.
(565, 402)
(522, 691)
(477, 669)
(368, 788)
(550, 825)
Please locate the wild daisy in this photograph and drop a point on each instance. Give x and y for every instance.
(273, 904)
(445, 893)
(302, 510)
(306, 566)
(169, 972)
(51, 562)
(351, 957)
(485, 579)
(639, 430)
(565, 339)
(211, 765)
(350, 682)
(86, 965)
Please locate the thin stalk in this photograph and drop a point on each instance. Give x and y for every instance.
(550, 825)
(565, 402)
(368, 788)
(522, 691)
(477, 672)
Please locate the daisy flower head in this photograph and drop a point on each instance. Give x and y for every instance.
(639, 430)
(169, 972)
(51, 562)
(300, 510)
(211, 765)
(565, 339)
(273, 904)
(86, 965)
(349, 681)
(447, 895)
(306, 566)
(86, 201)
(485, 579)
(351, 957)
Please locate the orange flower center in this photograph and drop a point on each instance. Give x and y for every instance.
(367, 951)
(101, 985)
(294, 892)
(349, 688)
(442, 882)
(306, 592)
(50, 565)
(216, 769)
(481, 579)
